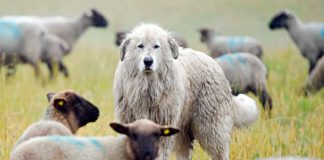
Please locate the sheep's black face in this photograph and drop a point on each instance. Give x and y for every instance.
(143, 137)
(279, 20)
(98, 20)
(84, 110)
(145, 147)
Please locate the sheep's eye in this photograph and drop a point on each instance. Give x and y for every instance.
(156, 46)
(140, 46)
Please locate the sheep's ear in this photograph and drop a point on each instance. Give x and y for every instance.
(119, 128)
(60, 104)
(123, 48)
(50, 96)
(169, 131)
(174, 47)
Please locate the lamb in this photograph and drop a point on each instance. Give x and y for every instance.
(246, 73)
(69, 29)
(309, 37)
(219, 45)
(170, 85)
(66, 114)
(315, 80)
(140, 141)
(121, 35)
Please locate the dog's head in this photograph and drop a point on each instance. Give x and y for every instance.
(147, 47)
(281, 19)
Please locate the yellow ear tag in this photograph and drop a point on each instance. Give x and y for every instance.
(166, 131)
(60, 103)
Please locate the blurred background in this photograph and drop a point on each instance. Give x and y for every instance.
(296, 125)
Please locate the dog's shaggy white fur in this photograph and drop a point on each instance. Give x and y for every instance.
(183, 88)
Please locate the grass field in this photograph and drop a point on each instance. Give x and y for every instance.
(295, 128)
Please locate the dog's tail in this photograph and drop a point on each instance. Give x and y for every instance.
(245, 111)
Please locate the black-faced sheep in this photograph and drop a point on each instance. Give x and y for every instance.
(66, 114)
(246, 73)
(315, 80)
(170, 85)
(219, 44)
(309, 37)
(140, 141)
(121, 35)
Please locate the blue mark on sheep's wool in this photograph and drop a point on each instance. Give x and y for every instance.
(10, 29)
(95, 142)
(322, 32)
(235, 42)
(233, 58)
(67, 139)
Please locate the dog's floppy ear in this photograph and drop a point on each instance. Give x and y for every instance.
(123, 48)
(174, 47)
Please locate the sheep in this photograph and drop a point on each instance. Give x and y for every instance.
(67, 112)
(315, 80)
(121, 35)
(219, 45)
(16, 41)
(246, 73)
(140, 141)
(21, 39)
(69, 29)
(309, 37)
(170, 85)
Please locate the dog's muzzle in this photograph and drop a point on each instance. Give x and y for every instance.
(148, 61)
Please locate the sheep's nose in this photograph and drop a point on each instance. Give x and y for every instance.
(148, 61)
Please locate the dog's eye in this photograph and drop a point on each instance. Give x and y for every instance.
(156, 46)
(140, 46)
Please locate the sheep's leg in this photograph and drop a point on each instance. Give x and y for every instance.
(265, 99)
(11, 69)
(311, 66)
(63, 69)
(50, 69)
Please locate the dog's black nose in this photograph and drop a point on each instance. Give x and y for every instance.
(148, 61)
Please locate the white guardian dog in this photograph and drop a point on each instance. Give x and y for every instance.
(157, 80)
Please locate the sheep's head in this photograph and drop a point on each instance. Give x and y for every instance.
(71, 109)
(97, 19)
(120, 36)
(143, 138)
(206, 34)
(280, 20)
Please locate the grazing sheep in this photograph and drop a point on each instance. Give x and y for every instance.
(309, 37)
(160, 81)
(219, 45)
(140, 143)
(69, 109)
(69, 29)
(315, 80)
(121, 35)
(246, 73)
